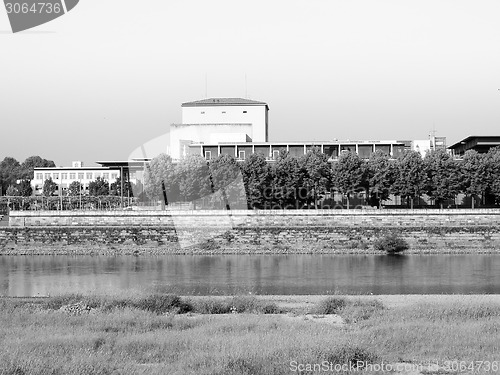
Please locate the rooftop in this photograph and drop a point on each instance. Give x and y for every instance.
(223, 101)
(486, 140)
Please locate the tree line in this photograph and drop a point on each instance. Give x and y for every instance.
(308, 180)
(12, 171)
(290, 181)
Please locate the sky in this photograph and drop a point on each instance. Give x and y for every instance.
(111, 75)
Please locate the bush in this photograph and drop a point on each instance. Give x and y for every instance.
(332, 305)
(392, 244)
(156, 303)
(352, 355)
(237, 304)
(163, 303)
(212, 306)
(358, 310)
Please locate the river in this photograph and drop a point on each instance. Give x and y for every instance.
(256, 274)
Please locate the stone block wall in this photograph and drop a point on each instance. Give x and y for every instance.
(213, 232)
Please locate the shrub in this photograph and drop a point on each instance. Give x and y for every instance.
(332, 305)
(359, 310)
(237, 304)
(56, 302)
(352, 355)
(163, 303)
(156, 303)
(392, 244)
(212, 306)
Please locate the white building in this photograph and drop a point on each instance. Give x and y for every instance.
(64, 176)
(219, 120)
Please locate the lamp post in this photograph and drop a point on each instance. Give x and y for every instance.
(61, 192)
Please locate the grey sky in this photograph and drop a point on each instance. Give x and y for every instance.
(112, 74)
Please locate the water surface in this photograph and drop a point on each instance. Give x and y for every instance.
(257, 274)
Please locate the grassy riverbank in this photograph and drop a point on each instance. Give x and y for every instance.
(264, 335)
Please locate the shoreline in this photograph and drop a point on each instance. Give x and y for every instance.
(50, 250)
(294, 301)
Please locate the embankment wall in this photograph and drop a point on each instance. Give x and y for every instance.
(243, 232)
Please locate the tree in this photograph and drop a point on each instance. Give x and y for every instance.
(347, 174)
(75, 189)
(227, 181)
(493, 164)
(116, 188)
(49, 188)
(98, 187)
(12, 191)
(25, 188)
(160, 179)
(409, 178)
(27, 167)
(257, 178)
(9, 172)
(380, 177)
(317, 174)
(193, 176)
(442, 176)
(287, 182)
(474, 175)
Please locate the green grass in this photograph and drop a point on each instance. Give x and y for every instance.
(134, 335)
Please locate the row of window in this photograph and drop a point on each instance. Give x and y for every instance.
(241, 155)
(203, 112)
(75, 176)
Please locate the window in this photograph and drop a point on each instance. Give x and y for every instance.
(47, 176)
(241, 155)
(64, 176)
(208, 155)
(114, 176)
(97, 175)
(105, 176)
(223, 111)
(202, 112)
(89, 176)
(244, 111)
(56, 176)
(80, 175)
(276, 154)
(39, 176)
(72, 176)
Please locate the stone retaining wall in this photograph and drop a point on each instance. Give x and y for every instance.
(216, 232)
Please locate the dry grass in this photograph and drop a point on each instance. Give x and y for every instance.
(35, 339)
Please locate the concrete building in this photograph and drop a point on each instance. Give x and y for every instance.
(481, 144)
(271, 150)
(423, 146)
(64, 176)
(219, 120)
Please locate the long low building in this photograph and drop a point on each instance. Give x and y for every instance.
(271, 150)
(64, 176)
(481, 144)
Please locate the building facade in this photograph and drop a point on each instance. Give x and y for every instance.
(64, 176)
(481, 144)
(218, 120)
(271, 150)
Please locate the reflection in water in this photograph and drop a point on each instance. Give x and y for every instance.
(258, 274)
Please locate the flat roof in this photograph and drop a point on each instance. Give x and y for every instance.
(478, 137)
(383, 142)
(71, 168)
(210, 102)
